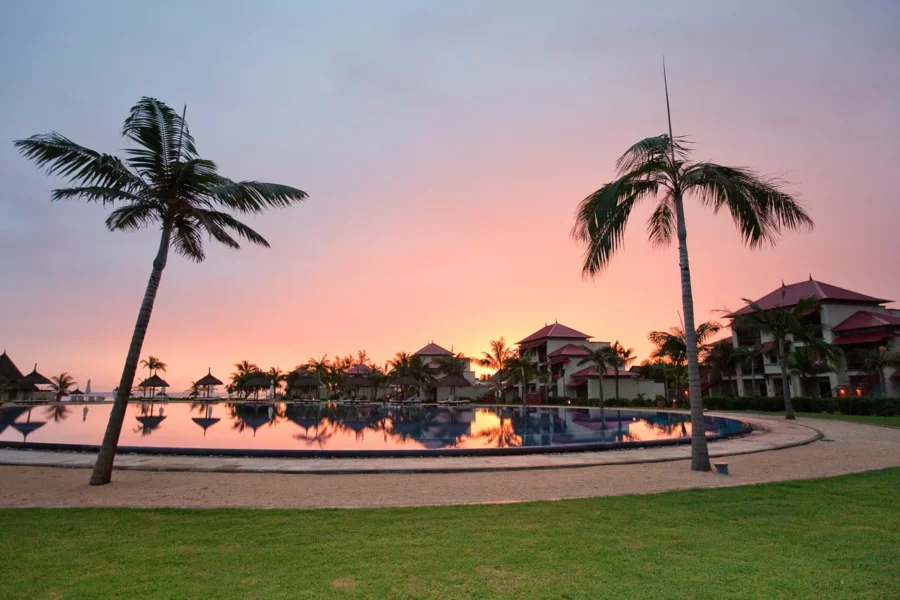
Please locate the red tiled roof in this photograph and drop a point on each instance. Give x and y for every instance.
(861, 338)
(865, 319)
(808, 289)
(433, 349)
(608, 372)
(570, 350)
(359, 370)
(554, 331)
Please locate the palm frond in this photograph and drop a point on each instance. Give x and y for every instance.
(255, 196)
(162, 135)
(131, 217)
(105, 195)
(187, 240)
(648, 149)
(217, 223)
(601, 219)
(758, 206)
(61, 156)
(661, 224)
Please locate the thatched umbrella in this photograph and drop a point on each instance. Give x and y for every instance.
(257, 381)
(302, 378)
(205, 422)
(453, 381)
(33, 379)
(153, 382)
(208, 381)
(149, 423)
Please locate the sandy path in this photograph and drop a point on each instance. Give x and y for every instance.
(847, 448)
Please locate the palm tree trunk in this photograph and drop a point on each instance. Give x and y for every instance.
(103, 468)
(617, 382)
(883, 381)
(752, 375)
(788, 407)
(600, 378)
(699, 448)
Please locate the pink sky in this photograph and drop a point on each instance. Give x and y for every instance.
(444, 151)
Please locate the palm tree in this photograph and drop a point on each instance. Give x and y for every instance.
(602, 359)
(724, 358)
(61, 384)
(454, 363)
(278, 377)
(658, 168)
(877, 360)
(497, 359)
(749, 355)
(244, 370)
(782, 323)
(362, 358)
(621, 358)
(672, 344)
(521, 371)
(163, 182)
(378, 377)
(409, 365)
(810, 361)
(154, 365)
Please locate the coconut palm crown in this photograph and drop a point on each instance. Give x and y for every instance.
(658, 169)
(164, 183)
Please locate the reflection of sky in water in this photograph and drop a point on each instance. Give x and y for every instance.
(300, 427)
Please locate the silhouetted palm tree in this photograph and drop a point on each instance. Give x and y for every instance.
(163, 182)
(810, 361)
(61, 384)
(658, 169)
(602, 359)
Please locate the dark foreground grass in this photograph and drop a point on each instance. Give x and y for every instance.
(824, 538)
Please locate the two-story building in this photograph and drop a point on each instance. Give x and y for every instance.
(561, 358)
(853, 321)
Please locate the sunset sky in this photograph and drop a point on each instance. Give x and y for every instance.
(444, 146)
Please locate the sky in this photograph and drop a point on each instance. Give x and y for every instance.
(444, 147)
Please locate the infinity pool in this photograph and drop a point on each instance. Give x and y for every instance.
(260, 429)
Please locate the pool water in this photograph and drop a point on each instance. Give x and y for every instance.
(263, 429)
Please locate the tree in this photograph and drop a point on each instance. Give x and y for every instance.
(378, 377)
(278, 376)
(658, 168)
(602, 359)
(877, 360)
(620, 357)
(154, 365)
(455, 363)
(749, 355)
(724, 358)
(522, 371)
(409, 365)
(244, 370)
(782, 323)
(61, 384)
(497, 359)
(163, 182)
(808, 362)
(671, 348)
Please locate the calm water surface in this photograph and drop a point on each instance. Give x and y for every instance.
(257, 427)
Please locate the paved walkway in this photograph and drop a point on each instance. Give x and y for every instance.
(846, 448)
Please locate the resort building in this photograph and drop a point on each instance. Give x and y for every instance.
(559, 354)
(467, 386)
(853, 321)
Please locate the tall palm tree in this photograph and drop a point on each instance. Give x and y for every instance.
(61, 384)
(621, 358)
(154, 365)
(877, 360)
(724, 358)
(785, 324)
(362, 358)
(163, 182)
(378, 378)
(602, 359)
(808, 362)
(658, 168)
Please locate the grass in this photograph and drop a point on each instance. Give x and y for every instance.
(837, 537)
(893, 421)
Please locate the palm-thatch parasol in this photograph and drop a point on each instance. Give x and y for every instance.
(153, 382)
(205, 422)
(33, 379)
(208, 381)
(405, 380)
(149, 423)
(454, 380)
(76, 392)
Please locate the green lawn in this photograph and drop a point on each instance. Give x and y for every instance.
(823, 538)
(875, 420)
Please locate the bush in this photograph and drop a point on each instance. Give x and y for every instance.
(848, 405)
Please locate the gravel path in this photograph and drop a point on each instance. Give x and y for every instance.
(846, 448)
